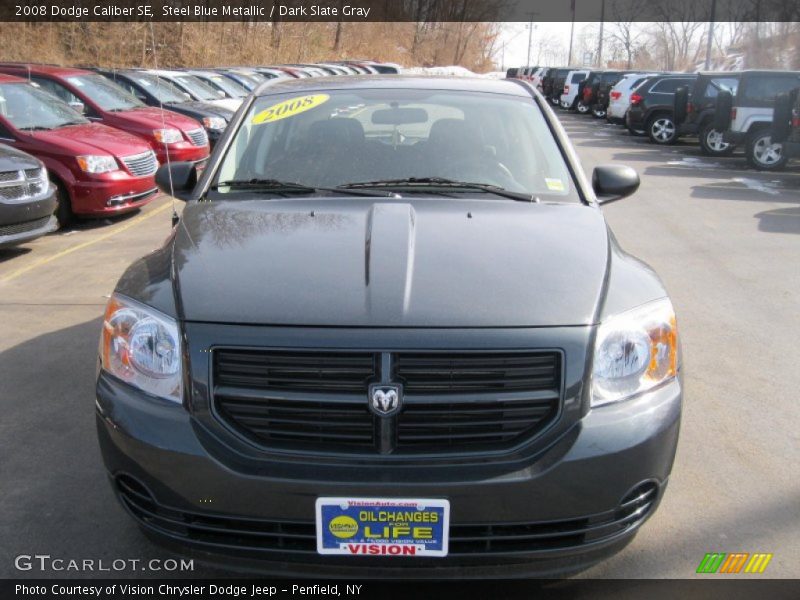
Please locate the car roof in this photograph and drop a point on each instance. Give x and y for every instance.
(11, 79)
(46, 69)
(465, 84)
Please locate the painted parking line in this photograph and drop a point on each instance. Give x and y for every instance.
(86, 244)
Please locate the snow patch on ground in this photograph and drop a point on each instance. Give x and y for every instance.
(690, 161)
(758, 186)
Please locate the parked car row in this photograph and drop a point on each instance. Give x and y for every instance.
(86, 142)
(723, 110)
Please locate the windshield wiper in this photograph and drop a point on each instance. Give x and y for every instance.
(442, 182)
(36, 128)
(288, 187)
(68, 123)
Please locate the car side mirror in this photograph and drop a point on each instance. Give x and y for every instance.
(187, 95)
(177, 179)
(614, 182)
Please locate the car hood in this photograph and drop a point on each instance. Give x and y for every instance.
(231, 104)
(363, 262)
(93, 137)
(202, 109)
(157, 118)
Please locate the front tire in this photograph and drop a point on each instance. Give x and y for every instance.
(581, 107)
(598, 111)
(661, 130)
(64, 212)
(763, 154)
(711, 143)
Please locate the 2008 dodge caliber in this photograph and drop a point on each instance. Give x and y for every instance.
(391, 332)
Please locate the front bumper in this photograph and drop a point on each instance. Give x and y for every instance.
(578, 500)
(183, 151)
(22, 222)
(107, 196)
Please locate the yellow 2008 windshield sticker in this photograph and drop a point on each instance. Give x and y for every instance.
(289, 108)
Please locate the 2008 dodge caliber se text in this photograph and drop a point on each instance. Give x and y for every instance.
(392, 332)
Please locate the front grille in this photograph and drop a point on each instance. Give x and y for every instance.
(18, 186)
(141, 164)
(466, 540)
(471, 372)
(317, 401)
(24, 227)
(198, 137)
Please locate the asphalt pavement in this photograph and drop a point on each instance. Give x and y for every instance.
(724, 238)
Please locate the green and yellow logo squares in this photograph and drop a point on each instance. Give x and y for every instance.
(734, 562)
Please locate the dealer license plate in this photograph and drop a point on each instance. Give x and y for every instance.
(382, 526)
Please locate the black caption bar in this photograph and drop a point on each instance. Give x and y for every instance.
(401, 10)
(599, 589)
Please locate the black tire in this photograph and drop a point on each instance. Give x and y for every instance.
(711, 143)
(581, 107)
(722, 111)
(762, 154)
(598, 112)
(64, 212)
(661, 129)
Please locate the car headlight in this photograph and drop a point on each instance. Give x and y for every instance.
(635, 351)
(142, 347)
(214, 122)
(91, 163)
(167, 136)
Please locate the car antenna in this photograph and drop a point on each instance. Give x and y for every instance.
(175, 217)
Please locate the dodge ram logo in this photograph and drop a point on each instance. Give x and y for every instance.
(385, 400)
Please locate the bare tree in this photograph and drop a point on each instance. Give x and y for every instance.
(624, 31)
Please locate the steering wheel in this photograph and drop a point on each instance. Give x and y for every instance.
(478, 170)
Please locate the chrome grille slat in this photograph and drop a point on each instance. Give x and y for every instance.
(198, 137)
(142, 164)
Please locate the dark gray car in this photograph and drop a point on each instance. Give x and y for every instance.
(27, 200)
(392, 332)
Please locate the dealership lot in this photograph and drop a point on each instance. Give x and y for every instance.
(725, 239)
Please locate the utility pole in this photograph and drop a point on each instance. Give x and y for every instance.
(530, 36)
(571, 32)
(600, 43)
(710, 34)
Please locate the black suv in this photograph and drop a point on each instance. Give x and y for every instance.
(694, 110)
(746, 116)
(587, 90)
(652, 107)
(608, 79)
(548, 82)
(156, 91)
(557, 88)
(27, 199)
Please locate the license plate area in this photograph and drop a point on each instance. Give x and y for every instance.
(387, 527)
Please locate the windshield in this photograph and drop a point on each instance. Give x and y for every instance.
(230, 87)
(28, 107)
(345, 137)
(162, 89)
(198, 89)
(107, 94)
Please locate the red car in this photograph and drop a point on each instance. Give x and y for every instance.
(99, 171)
(103, 101)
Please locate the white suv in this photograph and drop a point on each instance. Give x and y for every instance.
(620, 96)
(569, 96)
